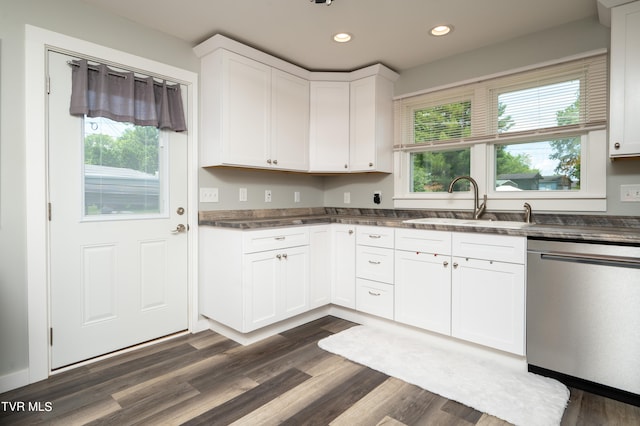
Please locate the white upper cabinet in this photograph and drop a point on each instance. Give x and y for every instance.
(371, 127)
(329, 126)
(624, 106)
(290, 121)
(252, 114)
(259, 111)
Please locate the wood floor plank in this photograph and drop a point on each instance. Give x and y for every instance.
(238, 407)
(226, 390)
(295, 400)
(394, 398)
(165, 397)
(338, 399)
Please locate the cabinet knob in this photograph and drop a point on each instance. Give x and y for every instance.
(350, 231)
(269, 161)
(455, 265)
(284, 256)
(278, 256)
(275, 161)
(346, 166)
(616, 145)
(445, 263)
(370, 164)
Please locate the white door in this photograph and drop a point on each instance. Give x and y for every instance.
(118, 230)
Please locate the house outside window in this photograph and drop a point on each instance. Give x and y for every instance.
(537, 136)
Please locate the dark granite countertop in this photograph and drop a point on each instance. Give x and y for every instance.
(608, 229)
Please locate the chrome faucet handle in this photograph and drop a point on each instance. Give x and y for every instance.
(527, 212)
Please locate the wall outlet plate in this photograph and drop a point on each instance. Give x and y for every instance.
(208, 195)
(347, 198)
(630, 193)
(267, 195)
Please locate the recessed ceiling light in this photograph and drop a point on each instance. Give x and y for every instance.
(441, 30)
(342, 37)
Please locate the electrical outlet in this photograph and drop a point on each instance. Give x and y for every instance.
(242, 194)
(296, 197)
(630, 193)
(208, 195)
(267, 195)
(347, 198)
(377, 197)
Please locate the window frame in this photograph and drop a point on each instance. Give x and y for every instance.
(592, 193)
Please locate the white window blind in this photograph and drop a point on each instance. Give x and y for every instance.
(552, 100)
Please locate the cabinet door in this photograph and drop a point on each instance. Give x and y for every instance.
(320, 265)
(261, 285)
(423, 290)
(624, 109)
(371, 126)
(329, 126)
(488, 303)
(294, 275)
(246, 123)
(289, 122)
(344, 260)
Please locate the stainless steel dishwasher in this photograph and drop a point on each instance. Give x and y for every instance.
(583, 316)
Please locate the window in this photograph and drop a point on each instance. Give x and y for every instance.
(532, 135)
(123, 169)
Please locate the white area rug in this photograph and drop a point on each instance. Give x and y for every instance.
(519, 397)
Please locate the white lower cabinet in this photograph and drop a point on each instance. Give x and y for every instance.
(320, 265)
(250, 279)
(343, 292)
(488, 303)
(374, 298)
(423, 290)
(467, 285)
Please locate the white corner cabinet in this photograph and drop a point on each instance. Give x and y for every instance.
(466, 285)
(624, 95)
(258, 111)
(351, 125)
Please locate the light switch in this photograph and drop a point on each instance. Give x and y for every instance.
(208, 195)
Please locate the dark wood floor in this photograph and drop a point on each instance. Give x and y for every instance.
(286, 379)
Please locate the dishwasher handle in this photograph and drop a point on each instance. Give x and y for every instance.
(593, 259)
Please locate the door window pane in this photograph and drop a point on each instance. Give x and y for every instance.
(539, 166)
(122, 169)
(432, 171)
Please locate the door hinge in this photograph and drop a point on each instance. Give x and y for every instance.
(50, 336)
(49, 211)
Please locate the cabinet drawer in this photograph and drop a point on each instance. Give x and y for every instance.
(499, 248)
(425, 241)
(376, 236)
(374, 298)
(274, 239)
(374, 263)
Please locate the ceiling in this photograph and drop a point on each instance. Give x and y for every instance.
(393, 32)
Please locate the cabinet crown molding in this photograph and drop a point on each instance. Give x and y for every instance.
(219, 41)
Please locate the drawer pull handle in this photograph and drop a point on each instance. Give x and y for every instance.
(279, 238)
(373, 293)
(445, 263)
(373, 262)
(374, 236)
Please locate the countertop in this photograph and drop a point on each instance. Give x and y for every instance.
(596, 228)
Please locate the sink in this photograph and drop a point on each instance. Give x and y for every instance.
(504, 224)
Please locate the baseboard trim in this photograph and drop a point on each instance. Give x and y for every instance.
(14, 380)
(589, 386)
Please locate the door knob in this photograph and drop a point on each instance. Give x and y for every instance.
(179, 228)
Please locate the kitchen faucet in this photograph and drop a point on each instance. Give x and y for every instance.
(478, 209)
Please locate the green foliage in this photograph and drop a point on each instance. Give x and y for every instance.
(433, 170)
(136, 148)
(442, 122)
(568, 151)
(507, 163)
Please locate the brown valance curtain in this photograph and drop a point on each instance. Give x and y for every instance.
(99, 91)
